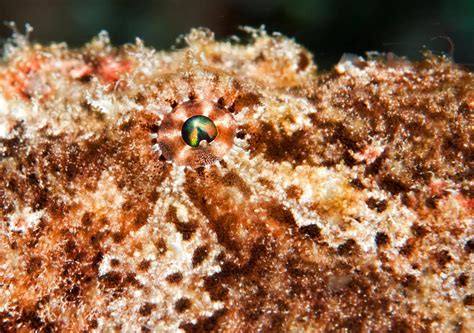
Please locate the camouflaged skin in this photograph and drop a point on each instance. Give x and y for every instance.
(343, 203)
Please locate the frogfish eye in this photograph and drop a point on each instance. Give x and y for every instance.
(196, 133)
(198, 128)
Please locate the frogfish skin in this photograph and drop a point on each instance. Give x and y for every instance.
(233, 187)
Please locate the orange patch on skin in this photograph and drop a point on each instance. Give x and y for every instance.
(467, 203)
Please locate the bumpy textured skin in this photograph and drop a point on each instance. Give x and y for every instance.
(344, 204)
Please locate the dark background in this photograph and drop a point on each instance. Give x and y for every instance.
(327, 28)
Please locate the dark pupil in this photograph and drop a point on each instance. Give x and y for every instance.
(197, 129)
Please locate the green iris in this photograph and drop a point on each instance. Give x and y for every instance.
(198, 128)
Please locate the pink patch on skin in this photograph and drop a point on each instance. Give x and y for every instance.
(437, 187)
(370, 153)
(20, 76)
(110, 69)
(81, 72)
(467, 203)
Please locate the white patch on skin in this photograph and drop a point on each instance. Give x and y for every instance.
(105, 267)
(24, 219)
(4, 128)
(323, 186)
(4, 112)
(182, 212)
(104, 104)
(108, 195)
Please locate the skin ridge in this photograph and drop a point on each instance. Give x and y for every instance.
(338, 201)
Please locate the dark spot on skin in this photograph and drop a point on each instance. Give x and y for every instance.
(70, 246)
(146, 309)
(267, 183)
(374, 168)
(281, 214)
(153, 128)
(34, 264)
(409, 281)
(233, 179)
(294, 192)
(93, 324)
(245, 100)
(140, 219)
(222, 229)
(241, 135)
(419, 230)
(221, 102)
(86, 219)
(182, 304)
(468, 300)
(131, 280)
(408, 248)
(175, 277)
(111, 279)
(349, 248)
(378, 205)
(204, 324)
(223, 164)
(348, 159)
(117, 237)
(381, 239)
(443, 258)
(211, 322)
(393, 185)
(161, 246)
(114, 262)
(462, 280)
(344, 136)
(144, 265)
(214, 287)
(303, 61)
(126, 126)
(469, 247)
(431, 202)
(312, 231)
(199, 255)
(97, 238)
(185, 229)
(72, 295)
(96, 260)
(356, 183)
(32, 180)
(32, 319)
(188, 327)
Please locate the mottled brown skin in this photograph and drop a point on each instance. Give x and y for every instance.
(344, 204)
